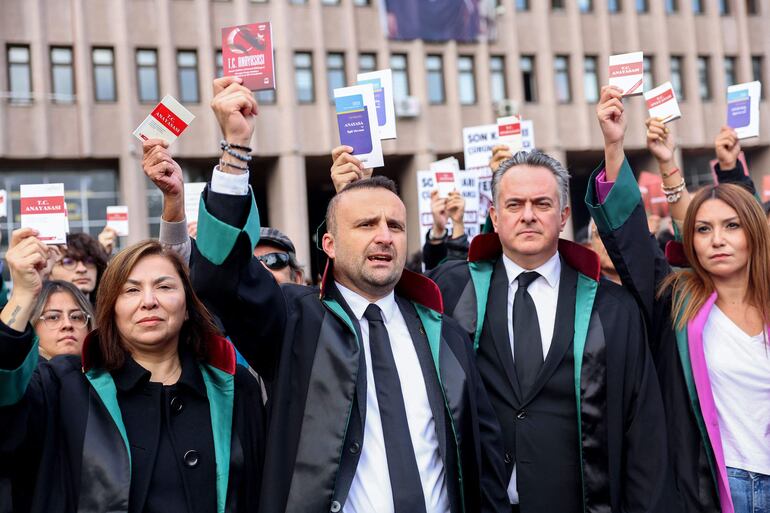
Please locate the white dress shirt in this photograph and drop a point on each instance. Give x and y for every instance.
(370, 491)
(545, 294)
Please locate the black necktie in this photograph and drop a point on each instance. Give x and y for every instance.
(402, 466)
(527, 343)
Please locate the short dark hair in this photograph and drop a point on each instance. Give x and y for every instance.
(196, 330)
(375, 182)
(81, 246)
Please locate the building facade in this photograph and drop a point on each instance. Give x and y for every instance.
(77, 76)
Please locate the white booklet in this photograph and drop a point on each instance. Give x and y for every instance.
(662, 104)
(43, 209)
(167, 121)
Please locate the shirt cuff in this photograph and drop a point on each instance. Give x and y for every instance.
(225, 183)
(603, 187)
(173, 233)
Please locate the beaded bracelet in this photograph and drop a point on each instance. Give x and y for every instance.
(237, 146)
(222, 164)
(227, 148)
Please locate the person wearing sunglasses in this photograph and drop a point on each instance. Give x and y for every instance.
(82, 263)
(276, 252)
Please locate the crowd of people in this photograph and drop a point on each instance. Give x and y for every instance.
(628, 371)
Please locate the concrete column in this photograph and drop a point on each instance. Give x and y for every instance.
(287, 197)
(131, 178)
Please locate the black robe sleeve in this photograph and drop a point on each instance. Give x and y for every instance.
(642, 266)
(736, 175)
(233, 284)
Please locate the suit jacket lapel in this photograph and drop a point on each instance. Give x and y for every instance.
(497, 324)
(564, 328)
(432, 385)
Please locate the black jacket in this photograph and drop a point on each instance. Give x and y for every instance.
(316, 417)
(77, 422)
(595, 431)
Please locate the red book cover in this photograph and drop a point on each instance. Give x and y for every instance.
(247, 52)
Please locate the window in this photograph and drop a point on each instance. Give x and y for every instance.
(298, 2)
(367, 62)
(335, 72)
(361, 3)
(672, 6)
(147, 75)
(400, 69)
(19, 74)
(723, 7)
(62, 75)
(527, 65)
(704, 81)
(467, 80)
(522, 5)
(219, 70)
(561, 74)
(613, 5)
(435, 66)
(752, 7)
(303, 77)
(642, 6)
(697, 6)
(648, 75)
(676, 77)
(756, 70)
(330, 2)
(591, 79)
(586, 5)
(187, 74)
(557, 4)
(730, 71)
(104, 74)
(497, 78)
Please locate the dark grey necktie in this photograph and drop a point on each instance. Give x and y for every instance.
(402, 466)
(527, 343)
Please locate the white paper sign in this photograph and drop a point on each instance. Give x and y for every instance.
(485, 193)
(382, 82)
(167, 121)
(662, 104)
(743, 108)
(192, 200)
(357, 123)
(117, 219)
(478, 142)
(627, 72)
(3, 203)
(43, 209)
(467, 182)
(509, 132)
(527, 135)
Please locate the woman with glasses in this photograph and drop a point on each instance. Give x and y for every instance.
(81, 263)
(61, 317)
(158, 416)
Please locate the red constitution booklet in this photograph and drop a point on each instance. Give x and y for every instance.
(247, 52)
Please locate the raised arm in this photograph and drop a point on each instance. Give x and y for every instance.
(614, 201)
(661, 143)
(165, 173)
(728, 168)
(230, 281)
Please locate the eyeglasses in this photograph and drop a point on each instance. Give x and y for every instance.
(53, 320)
(70, 263)
(274, 261)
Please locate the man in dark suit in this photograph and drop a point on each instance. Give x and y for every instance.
(375, 401)
(562, 353)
